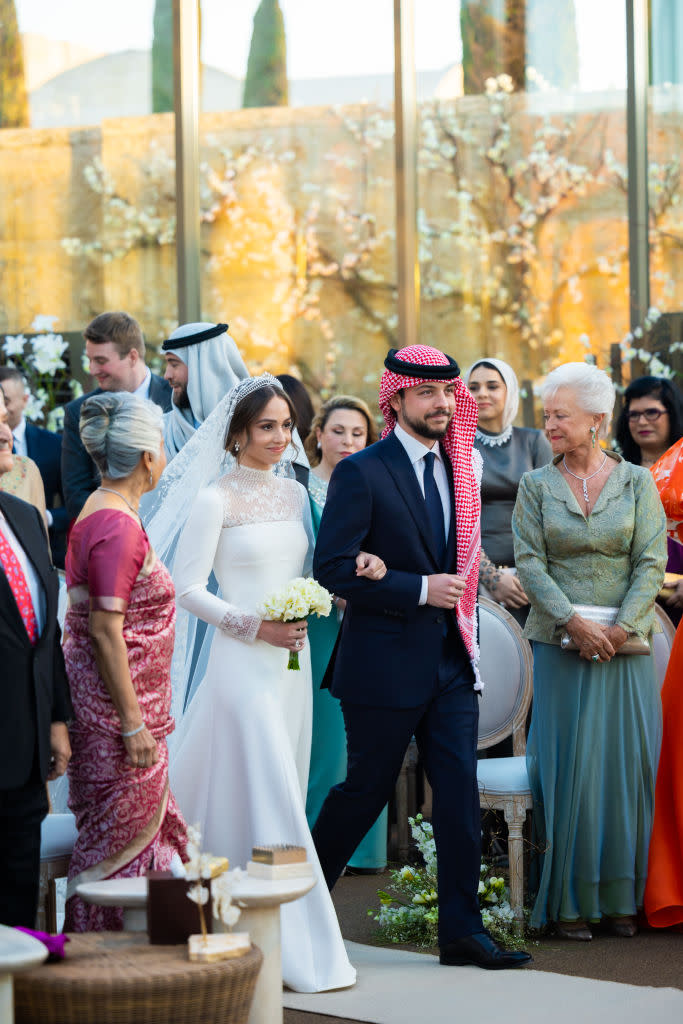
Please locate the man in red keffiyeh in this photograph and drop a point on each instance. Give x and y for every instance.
(406, 660)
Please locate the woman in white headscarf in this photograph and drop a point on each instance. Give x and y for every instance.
(508, 452)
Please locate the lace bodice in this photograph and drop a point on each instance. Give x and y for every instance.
(222, 535)
(257, 496)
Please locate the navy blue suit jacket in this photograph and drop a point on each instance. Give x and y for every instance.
(389, 646)
(45, 448)
(79, 475)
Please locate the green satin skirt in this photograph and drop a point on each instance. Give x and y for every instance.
(592, 759)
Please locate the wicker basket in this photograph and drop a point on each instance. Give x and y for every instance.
(118, 978)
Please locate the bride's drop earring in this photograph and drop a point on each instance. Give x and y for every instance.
(151, 479)
(236, 447)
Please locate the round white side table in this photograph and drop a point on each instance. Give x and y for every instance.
(18, 951)
(260, 901)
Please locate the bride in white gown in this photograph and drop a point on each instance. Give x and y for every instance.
(240, 759)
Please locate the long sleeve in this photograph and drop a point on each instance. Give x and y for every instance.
(193, 565)
(36, 488)
(531, 558)
(78, 470)
(648, 558)
(343, 534)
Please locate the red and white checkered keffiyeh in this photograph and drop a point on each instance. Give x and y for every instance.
(466, 463)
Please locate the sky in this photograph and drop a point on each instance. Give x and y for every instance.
(324, 37)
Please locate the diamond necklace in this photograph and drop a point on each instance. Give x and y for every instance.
(584, 479)
(494, 440)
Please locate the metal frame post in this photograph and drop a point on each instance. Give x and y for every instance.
(637, 56)
(405, 151)
(186, 106)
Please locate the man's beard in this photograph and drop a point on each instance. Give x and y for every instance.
(180, 398)
(424, 428)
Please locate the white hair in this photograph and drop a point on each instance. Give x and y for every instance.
(592, 387)
(116, 428)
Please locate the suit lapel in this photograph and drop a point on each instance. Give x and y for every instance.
(29, 441)
(395, 458)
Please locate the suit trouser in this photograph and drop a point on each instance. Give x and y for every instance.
(21, 812)
(445, 728)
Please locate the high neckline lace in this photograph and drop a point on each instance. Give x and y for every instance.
(247, 474)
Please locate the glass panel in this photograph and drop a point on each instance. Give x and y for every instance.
(298, 220)
(87, 193)
(665, 177)
(522, 181)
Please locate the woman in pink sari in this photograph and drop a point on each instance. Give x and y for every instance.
(119, 633)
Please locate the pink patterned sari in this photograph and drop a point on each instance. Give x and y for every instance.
(127, 818)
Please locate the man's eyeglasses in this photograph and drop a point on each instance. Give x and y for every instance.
(651, 415)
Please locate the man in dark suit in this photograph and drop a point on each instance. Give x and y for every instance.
(406, 662)
(45, 448)
(34, 742)
(115, 348)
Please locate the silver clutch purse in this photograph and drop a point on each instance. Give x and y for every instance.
(604, 615)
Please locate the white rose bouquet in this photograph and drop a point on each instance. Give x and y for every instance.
(299, 599)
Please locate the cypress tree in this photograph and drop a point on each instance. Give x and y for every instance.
(266, 81)
(496, 37)
(13, 98)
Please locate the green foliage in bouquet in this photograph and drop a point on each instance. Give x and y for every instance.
(409, 912)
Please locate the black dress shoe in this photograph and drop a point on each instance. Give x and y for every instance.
(480, 950)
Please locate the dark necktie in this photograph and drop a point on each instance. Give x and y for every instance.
(434, 507)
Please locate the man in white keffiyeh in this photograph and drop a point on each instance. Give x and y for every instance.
(202, 364)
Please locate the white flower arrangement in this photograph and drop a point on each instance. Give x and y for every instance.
(40, 360)
(410, 911)
(301, 597)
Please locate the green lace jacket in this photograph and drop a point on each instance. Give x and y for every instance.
(614, 557)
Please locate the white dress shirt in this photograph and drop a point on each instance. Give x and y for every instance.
(416, 451)
(143, 390)
(32, 579)
(19, 435)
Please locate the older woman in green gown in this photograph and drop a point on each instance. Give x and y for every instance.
(344, 425)
(589, 530)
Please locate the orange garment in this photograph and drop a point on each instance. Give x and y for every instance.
(664, 889)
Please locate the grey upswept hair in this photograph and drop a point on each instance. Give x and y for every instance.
(593, 389)
(116, 428)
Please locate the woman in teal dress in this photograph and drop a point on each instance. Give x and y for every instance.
(344, 425)
(589, 530)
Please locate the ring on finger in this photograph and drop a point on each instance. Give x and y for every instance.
(595, 657)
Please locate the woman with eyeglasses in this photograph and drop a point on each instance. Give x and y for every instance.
(650, 422)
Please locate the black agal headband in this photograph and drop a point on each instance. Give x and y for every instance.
(419, 370)
(194, 339)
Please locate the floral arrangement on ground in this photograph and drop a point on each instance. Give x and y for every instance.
(409, 912)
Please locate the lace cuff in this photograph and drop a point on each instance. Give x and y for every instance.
(241, 625)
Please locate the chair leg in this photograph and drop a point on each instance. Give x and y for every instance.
(516, 861)
(51, 907)
(43, 900)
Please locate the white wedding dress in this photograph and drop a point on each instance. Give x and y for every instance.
(239, 763)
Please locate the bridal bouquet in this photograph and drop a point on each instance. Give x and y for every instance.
(299, 599)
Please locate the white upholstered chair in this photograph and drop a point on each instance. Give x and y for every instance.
(57, 837)
(506, 668)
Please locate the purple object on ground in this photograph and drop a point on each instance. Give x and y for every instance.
(55, 943)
